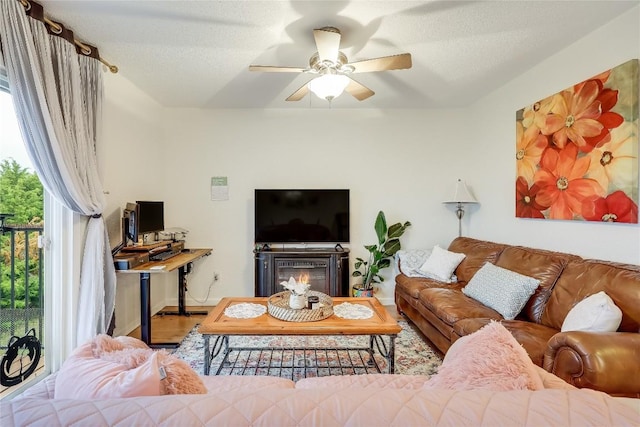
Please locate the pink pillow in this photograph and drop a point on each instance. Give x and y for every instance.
(488, 359)
(104, 343)
(82, 377)
(109, 367)
(181, 379)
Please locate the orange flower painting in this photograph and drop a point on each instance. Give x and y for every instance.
(577, 151)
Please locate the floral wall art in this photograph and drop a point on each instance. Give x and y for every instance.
(577, 151)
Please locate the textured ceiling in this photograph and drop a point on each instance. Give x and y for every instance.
(197, 53)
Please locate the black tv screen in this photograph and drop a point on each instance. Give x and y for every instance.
(301, 216)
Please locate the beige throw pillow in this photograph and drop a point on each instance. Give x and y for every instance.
(441, 264)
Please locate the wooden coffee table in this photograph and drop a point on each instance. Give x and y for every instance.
(220, 326)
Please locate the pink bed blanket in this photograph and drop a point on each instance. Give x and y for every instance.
(351, 406)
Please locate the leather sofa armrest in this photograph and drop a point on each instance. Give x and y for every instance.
(605, 361)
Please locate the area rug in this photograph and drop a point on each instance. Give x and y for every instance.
(412, 355)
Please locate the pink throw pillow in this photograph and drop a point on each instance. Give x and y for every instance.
(488, 359)
(104, 344)
(181, 379)
(83, 377)
(109, 367)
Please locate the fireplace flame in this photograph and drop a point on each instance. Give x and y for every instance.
(303, 278)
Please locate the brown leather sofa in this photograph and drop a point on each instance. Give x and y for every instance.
(608, 362)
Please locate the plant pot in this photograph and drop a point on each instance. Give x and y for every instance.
(297, 302)
(357, 291)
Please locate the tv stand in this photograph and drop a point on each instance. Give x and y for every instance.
(327, 269)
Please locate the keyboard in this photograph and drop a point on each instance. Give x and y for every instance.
(163, 256)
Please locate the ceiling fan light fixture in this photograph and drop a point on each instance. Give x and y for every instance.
(329, 86)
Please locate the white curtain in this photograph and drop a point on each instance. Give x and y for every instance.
(58, 96)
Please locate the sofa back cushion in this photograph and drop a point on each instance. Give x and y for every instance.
(581, 279)
(477, 252)
(545, 266)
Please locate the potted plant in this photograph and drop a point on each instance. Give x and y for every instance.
(379, 255)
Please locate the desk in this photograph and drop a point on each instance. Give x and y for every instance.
(178, 262)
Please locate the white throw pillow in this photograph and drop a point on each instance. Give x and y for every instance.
(441, 264)
(503, 290)
(596, 313)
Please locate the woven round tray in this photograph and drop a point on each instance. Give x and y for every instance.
(278, 307)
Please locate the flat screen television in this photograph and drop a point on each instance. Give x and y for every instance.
(301, 216)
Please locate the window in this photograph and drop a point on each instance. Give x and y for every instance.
(38, 249)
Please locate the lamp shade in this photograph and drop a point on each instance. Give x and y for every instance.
(329, 86)
(461, 194)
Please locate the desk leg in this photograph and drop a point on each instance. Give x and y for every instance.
(182, 288)
(145, 307)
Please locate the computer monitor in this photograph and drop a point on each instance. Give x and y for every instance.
(150, 216)
(130, 224)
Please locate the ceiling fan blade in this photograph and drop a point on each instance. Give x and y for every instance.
(299, 94)
(393, 62)
(358, 91)
(274, 69)
(328, 43)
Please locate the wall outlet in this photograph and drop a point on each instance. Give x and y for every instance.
(216, 277)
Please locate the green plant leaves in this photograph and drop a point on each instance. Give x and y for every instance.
(391, 247)
(384, 263)
(397, 230)
(380, 254)
(381, 227)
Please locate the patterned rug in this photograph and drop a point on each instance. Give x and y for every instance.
(413, 355)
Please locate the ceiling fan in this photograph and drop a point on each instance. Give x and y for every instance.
(332, 68)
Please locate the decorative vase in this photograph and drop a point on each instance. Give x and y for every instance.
(297, 302)
(359, 292)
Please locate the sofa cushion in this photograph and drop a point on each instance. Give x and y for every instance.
(412, 286)
(441, 264)
(546, 266)
(626, 295)
(583, 278)
(489, 359)
(451, 305)
(503, 290)
(595, 313)
(532, 336)
(477, 252)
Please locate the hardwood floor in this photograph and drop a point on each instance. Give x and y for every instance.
(170, 328)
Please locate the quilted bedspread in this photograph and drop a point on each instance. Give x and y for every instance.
(330, 407)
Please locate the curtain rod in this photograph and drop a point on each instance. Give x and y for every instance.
(58, 29)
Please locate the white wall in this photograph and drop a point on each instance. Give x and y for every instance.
(492, 149)
(131, 156)
(400, 161)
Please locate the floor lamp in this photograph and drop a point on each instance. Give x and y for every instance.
(461, 197)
